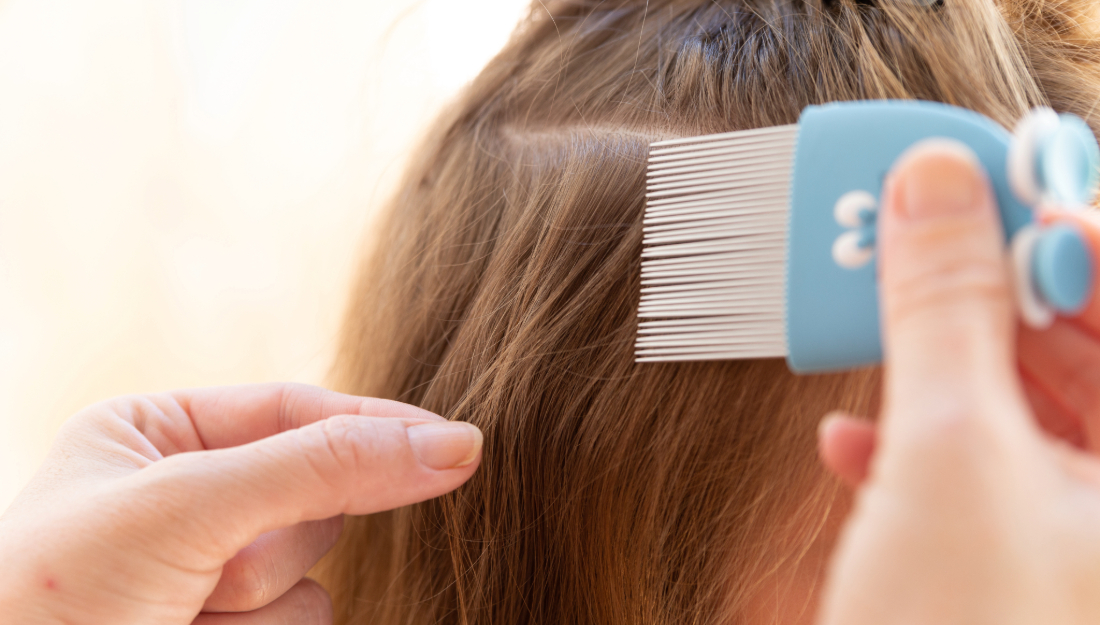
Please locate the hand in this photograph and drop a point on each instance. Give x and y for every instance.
(152, 509)
(982, 502)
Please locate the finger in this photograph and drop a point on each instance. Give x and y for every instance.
(227, 416)
(947, 314)
(306, 603)
(341, 465)
(1051, 416)
(234, 415)
(274, 562)
(1088, 223)
(1064, 360)
(846, 445)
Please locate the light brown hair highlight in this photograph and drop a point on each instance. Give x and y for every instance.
(501, 284)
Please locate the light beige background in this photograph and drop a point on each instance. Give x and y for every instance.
(183, 184)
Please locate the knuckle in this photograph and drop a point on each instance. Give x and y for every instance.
(343, 446)
(110, 410)
(948, 278)
(946, 423)
(954, 430)
(312, 603)
(294, 399)
(248, 582)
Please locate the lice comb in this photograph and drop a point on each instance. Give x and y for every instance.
(759, 243)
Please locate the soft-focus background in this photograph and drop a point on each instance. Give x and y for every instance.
(183, 184)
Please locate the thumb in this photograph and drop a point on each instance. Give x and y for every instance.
(341, 465)
(948, 321)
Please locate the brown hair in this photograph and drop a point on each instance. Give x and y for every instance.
(501, 285)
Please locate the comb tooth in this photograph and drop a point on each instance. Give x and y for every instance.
(763, 195)
(706, 235)
(745, 302)
(737, 136)
(700, 166)
(690, 277)
(713, 280)
(747, 298)
(691, 310)
(714, 319)
(751, 287)
(693, 231)
(698, 283)
(764, 263)
(714, 255)
(709, 211)
(750, 242)
(717, 159)
(668, 267)
(709, 286)
(688, 215)
(715, 169)
(761, 343)
(733, 257)
(706, 156)
(744, 230)
(692, 150)
(771, 351)
(703, 325)
(688, 180)
(764, 130)
(774, 187)
(758, 301)
(708, 339)
(752, 292)
(753, 175)
(672, 220)
(703, 155)
(695, 222)
(749, 213)
(745, 178)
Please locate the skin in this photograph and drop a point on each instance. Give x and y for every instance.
(208, 506)
(978, 491)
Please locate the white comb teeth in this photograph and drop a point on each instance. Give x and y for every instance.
(714, 256)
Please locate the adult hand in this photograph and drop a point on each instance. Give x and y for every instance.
(982, 502)
(209, 506)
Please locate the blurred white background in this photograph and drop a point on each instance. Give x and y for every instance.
(183, 184)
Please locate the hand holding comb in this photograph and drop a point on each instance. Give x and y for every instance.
(759, 243)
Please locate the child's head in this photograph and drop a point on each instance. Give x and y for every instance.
(504, 276)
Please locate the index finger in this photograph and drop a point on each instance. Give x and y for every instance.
(228, 416)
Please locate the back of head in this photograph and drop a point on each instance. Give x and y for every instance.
(503, 279)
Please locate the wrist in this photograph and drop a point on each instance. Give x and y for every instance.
(25, 594)
(20, 603)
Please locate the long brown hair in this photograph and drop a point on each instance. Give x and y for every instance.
(502, 279)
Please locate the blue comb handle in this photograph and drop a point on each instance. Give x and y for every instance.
(832, 311)
(1062, 269)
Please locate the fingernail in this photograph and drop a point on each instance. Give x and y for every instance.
(444, 445)
(937, 178)
(827, 422)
